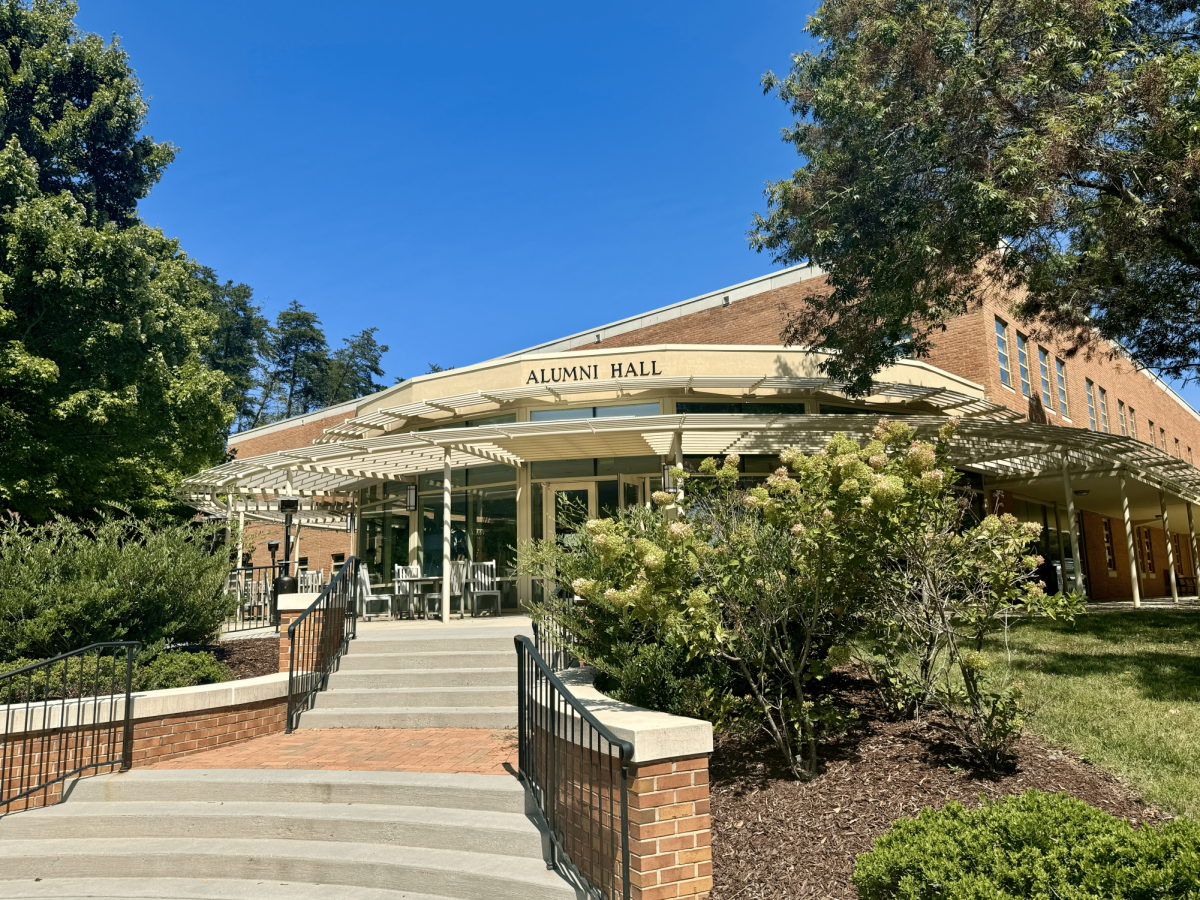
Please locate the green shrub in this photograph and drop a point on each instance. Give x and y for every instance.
(178, 668)
(1032, 847)
(90, 675)
(65, 584)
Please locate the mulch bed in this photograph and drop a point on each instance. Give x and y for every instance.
(249, 657)
(778, 839)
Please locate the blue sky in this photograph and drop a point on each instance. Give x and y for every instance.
(472, 178)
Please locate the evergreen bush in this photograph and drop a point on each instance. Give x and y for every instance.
(1030, 847)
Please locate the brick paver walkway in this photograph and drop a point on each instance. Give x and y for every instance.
(455, 750)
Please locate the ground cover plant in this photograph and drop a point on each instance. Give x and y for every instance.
(66, 584)
(1033, 846)
(776, 838)
(1122, 688)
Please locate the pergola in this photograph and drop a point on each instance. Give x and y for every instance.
(1008, 454)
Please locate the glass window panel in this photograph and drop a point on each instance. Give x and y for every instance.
(535, 511)
(710, 409)
(1091, 400)
(383, 541)
(608, 498)
(503, 419)
(1002, 353)
(555, 415)
(562, 468)
(759, 465)
(628, 409)
(1023, 362)
(628, 465)
(490, 475)
(1060, 375)
(432, 481)
(491, 525)
(1044, 369)
(632, 494)
(774, 409)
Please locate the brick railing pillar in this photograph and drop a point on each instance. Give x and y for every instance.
(286, 618)
(670, 836)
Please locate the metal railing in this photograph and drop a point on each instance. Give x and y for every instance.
(253, 586)
(319, 637)
(577, 772)
(63, 717)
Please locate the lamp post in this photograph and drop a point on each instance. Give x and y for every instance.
(285, 583)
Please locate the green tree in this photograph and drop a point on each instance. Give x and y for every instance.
(239, 342)
(295, 368)
(351, 371)
(960, 145)
(104, 394)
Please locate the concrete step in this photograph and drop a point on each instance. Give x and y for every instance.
(416, 678)
(365, 698)
(449, 873)
(477, 831)
(496, 643)
(429, 659)
(495, 793)
(191, 889)
(412, 717)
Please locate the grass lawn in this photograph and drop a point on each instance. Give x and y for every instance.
(1123, 690)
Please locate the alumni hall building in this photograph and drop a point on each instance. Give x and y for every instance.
(475, 461)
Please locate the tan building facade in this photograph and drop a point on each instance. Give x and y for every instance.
(474, 461)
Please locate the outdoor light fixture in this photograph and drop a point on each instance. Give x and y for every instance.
(289, 504)
(668, 478)
(410, 498)
(1082, 493)
(350, 523)
(272, 547)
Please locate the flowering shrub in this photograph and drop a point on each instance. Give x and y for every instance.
(774, 583)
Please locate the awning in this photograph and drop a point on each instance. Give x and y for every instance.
(1006, 452)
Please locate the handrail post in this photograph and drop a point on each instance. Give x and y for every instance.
(127, 737)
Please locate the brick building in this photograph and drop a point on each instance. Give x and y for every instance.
(469, 463)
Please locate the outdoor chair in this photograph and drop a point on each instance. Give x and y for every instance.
(458, 579)
(484, 586)
(364, 580)
(406, 591)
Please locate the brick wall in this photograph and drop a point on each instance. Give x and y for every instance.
(670, 829)
(316, 544)
(154, 740)
(285, 438)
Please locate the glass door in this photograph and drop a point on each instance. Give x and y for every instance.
(569, 506)
(631, 491)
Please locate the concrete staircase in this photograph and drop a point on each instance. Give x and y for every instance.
(456, 676)
(261, 834)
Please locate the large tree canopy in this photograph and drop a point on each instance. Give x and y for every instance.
(1047, 146)
(104, 394)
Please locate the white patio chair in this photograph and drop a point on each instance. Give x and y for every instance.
(406, 591)
(484, 585)
(458, 580)
(364, 580)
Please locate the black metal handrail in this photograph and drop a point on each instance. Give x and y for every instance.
(319, 637)
(62, 717)
(577, 772)
(254, 587)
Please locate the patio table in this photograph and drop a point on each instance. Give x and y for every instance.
(419, 580)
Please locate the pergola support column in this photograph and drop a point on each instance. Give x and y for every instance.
(1072, 522)
(1162, 505)
(1129, 548)
(446, 536)
(1195, 561)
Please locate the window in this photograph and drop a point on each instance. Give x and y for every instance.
(1178, 452)
(1110, 553)
(1178, 555)
(1060, 374)
(1002, 352)
(594, 412)
(1147, 552)
(1150, 422)
(1044, 365)
(1121, 417)
(1023, 363)
(1162, 439)
(1091, 398)
(1104, 410)
(1133, 423)
(785, 408)
(1190, 457)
